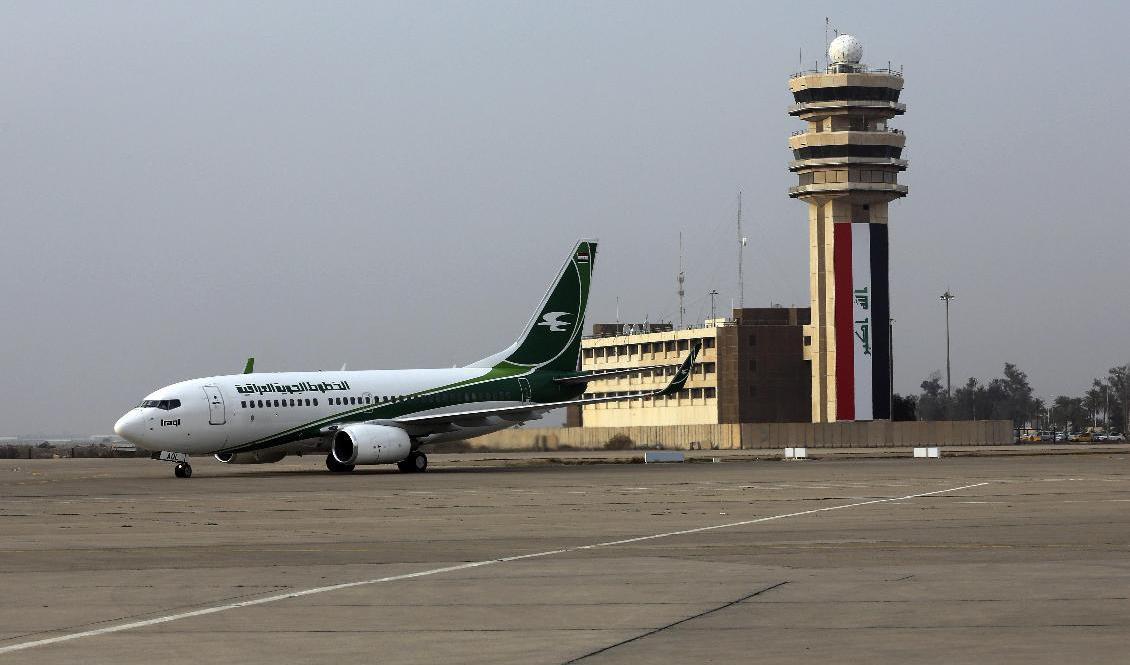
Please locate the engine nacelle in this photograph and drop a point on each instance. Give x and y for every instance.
(253, 457)
(371, 444)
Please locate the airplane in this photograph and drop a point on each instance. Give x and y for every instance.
(385, 416)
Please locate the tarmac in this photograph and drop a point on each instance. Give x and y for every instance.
(570, 557)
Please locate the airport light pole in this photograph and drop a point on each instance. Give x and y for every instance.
(713, 294)
(947, 297)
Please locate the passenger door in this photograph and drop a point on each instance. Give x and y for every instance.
(217, 415)
(525, 386)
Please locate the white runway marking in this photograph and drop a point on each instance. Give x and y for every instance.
(447, 569)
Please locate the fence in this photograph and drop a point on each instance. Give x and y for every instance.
(875, 434)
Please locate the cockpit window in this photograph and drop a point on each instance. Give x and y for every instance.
(163, 404)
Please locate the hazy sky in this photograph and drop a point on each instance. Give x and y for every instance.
(393, 184)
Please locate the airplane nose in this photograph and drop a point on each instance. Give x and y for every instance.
(129, 427)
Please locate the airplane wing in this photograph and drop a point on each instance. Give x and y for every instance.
(607, 374)
(532, 411)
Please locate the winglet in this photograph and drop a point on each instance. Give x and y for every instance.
(682, 374)
(250, 366)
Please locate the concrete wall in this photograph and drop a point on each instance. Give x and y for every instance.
(876, 434)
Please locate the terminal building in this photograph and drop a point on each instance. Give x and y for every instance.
(753, 368)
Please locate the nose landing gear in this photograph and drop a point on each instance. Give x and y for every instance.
(183, 468)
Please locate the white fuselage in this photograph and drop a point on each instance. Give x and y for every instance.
(227, 413)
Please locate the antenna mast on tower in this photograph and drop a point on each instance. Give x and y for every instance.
(682, 278)
(741, 252)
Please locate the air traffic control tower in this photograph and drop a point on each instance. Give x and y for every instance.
(847, 163)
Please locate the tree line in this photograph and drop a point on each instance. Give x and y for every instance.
(1105, 405)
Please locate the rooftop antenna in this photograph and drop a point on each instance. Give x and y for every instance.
(742, 240)
(681, 279)
(827, 27)
(617, 309)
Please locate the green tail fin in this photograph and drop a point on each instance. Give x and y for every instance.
(683, 373)
(552, 338)
(250, 366)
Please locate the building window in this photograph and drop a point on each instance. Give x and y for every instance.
(808, 340)
(708, 343)
(710, 393)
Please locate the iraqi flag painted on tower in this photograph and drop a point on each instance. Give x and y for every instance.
(862, 319)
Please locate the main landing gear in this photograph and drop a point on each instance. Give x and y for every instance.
(416, 462)
(183, 470)
(336, 466)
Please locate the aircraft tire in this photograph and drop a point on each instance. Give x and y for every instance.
(338, 467)
(182, 470)
(418, 462)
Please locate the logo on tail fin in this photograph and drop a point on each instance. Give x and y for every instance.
(552, 320)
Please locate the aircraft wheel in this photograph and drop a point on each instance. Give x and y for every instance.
(337, 467)
(418, 462)
(183, 470)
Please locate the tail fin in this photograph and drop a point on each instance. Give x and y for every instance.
(683, 373)
(552, 338)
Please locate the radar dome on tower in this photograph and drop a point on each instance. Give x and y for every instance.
(846, 50)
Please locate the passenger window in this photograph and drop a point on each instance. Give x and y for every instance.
(307, 401)
(292, 402)
(260, 404)
(243, 405)
(315, 401)
(352, 400)
(276, 404)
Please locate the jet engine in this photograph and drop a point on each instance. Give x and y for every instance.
(253, 457)
(370, 444)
